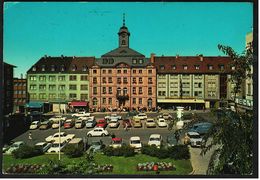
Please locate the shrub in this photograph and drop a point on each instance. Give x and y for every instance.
(72, 151)
(125, 151)
(26, 151)
(179, 152)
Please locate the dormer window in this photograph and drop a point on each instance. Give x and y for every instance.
(62, 68)
(140, 61)
(210, 67)
(233, 67)
(105, 61)
(173, 67)
(111, 61)
(34, 68)
(162, 67)
(185, 67)
(197, 67)
(43, 67)
(134, 61)
(74, 67)
(52, 67)
(221, 67)
(84, 68)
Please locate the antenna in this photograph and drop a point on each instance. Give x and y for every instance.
(123, 19)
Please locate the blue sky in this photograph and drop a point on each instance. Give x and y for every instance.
(32, 29)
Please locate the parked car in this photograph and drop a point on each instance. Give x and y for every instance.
(45, 125)
(86, 118)
(136, 122)
(114, 123)
(128, 122)
(96, 145)
(43, 146)
(14, 146)
(77, 143)
(98, 132)
(135, 142)
(69, 123)
(171, 140)
(116, 142)
(56, 124)
(162, 122)
(57, 118)
(79, 124)
(35, 125)
(195, 140)
(201, 128)
(166, 116)
(63, 135)
(155, 139)
(91, 123)
(109, 117)
(102, 123)
(141, 116)
(81, 114)
(150, 123)
(56, 144)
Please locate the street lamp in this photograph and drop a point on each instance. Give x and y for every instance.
(60, 116)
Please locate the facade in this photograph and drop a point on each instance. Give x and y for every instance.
(8, 88)
(58, 80)
(123, 78)
(195, 82)
(20, 94)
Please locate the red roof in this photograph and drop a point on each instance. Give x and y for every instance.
(80, 103)
(116, 139)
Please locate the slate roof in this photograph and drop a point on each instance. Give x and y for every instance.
(126, 60)
(123, 52)
(191, 61)
(79, 63)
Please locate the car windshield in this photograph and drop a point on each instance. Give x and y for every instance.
(154, 139)
(116, 142)
(135, 142)
(151, 121)
(40, 146)
(96, 143)
(34, 123)
(14, 145)
(79, 122)
(141, 114)
(161, 120)
(90, 121)
(195, 136)
(113, 121)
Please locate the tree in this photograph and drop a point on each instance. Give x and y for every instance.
(232, 134)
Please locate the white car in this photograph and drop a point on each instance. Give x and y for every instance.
(63, 136)
(43, 146)
(57, 118)
(14, 146)
(167, 116)
(114, 123)
(135, 142)
(113, 116)
(56, 124)
(86, 118)
(150, 123)
(195, 139)
(98, 132)
(162, 122)
(81, 114)
(141, 116)
(35, 125)
(56, 144)
(155, 139)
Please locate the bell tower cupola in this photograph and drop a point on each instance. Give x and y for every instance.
(123, 35)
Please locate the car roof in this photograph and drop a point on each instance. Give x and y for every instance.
(35, 121)
(61, 140)
(58, 133)
(75, 140)
(161, 119)
(155, 135)
(18, 142)
(193, 133)
(99, 128)
(45, 122)
(116, 139)
(141, 114)
(135, 138)
(203, 124)
(40, 143)
(149, 119)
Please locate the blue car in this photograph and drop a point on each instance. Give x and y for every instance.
(201, 128)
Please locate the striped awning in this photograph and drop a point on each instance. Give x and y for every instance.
(78, 103)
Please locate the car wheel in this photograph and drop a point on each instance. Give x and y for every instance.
(89, 135)
(103, 135)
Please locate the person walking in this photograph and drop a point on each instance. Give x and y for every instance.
(30, 136)
(126, 126)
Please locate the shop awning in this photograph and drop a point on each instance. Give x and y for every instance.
(180, 101)
(34, 104)
(80, 103)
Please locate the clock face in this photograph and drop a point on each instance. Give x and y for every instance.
(123, 35)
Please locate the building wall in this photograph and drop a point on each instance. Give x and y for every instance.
(20, 93)
(8, 88)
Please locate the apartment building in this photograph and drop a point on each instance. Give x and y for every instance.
(122, 78)
(20, 94)
(60, 80)
(195, 82)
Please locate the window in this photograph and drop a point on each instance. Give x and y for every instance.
(198, 93)
(197, 85)
(134, 80)
(33, 78)
(185, 67)
(52, 87)
(34, 68)
(110, 80)
(94, 71)
(162, 67)
(150, 92)
(140, 71)
(174, 84)
(125, 71)
(134, 90)
(74, 67)
(186, 93)
(33, 87)
(104, 80)
(83, 77)
(140, 61)
(140, 80)
(221, 67)
(119, 80)
(105, 61)
(84, 68)
(249, 89)
(173, 93)
(109, 101)
(198, 76)
(52, 96)
(104, 90)
(52, 78)
(125, 80)
(110, 90)
(140, 90)
(134, 61)
(73, 78)
(134, 100)
(52, 67)
(174, 76)
(150, 81)
(118, 71)
(134, 71)
(42, 78)
(84, 87)
(62, 68)
(186, 85)
(104, 71)
(43, 67)
(83, 97)
(109, 71)
(94, 80)
(72, 87)
(61, 78)
(197, 67)
(161, 76)
(94, 90)
(42, 87)
(161, 93)
(72, 96)
(161, 84)
(173, 67)
(211, 93)
(210, 67)
(140, 101)
(186, 76)
(62, 87)
(118, 91)
(125, 91)
(42, 96)
(104, 100)
(150, 71)
(33, 95)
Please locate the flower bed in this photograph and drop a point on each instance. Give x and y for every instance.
(149, 166)
(23, 168)
(105, 168)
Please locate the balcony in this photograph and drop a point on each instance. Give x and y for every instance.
(122, 97)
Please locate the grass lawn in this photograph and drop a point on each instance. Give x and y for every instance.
(122, 165)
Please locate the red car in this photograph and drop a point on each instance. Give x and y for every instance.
(128, 122)
(101, 123)
(69, 123)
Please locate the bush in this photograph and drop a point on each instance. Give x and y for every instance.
(125, 151)
(26, 151)
(72, 151)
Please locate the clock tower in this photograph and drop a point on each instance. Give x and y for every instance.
(123, 35)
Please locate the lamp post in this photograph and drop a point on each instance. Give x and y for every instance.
(59, 117)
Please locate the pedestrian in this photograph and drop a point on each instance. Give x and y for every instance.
(126, 126)
(186, 139)
(177, 136)
(30, 136)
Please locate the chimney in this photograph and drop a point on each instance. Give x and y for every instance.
(45, 56)
(201, 57)
(74, 57)
(152, 57)
(21, 76)
(177, 56)
(62, 56)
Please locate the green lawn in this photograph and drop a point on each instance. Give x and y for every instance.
(122, 165)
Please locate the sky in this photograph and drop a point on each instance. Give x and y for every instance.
(35, 29)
